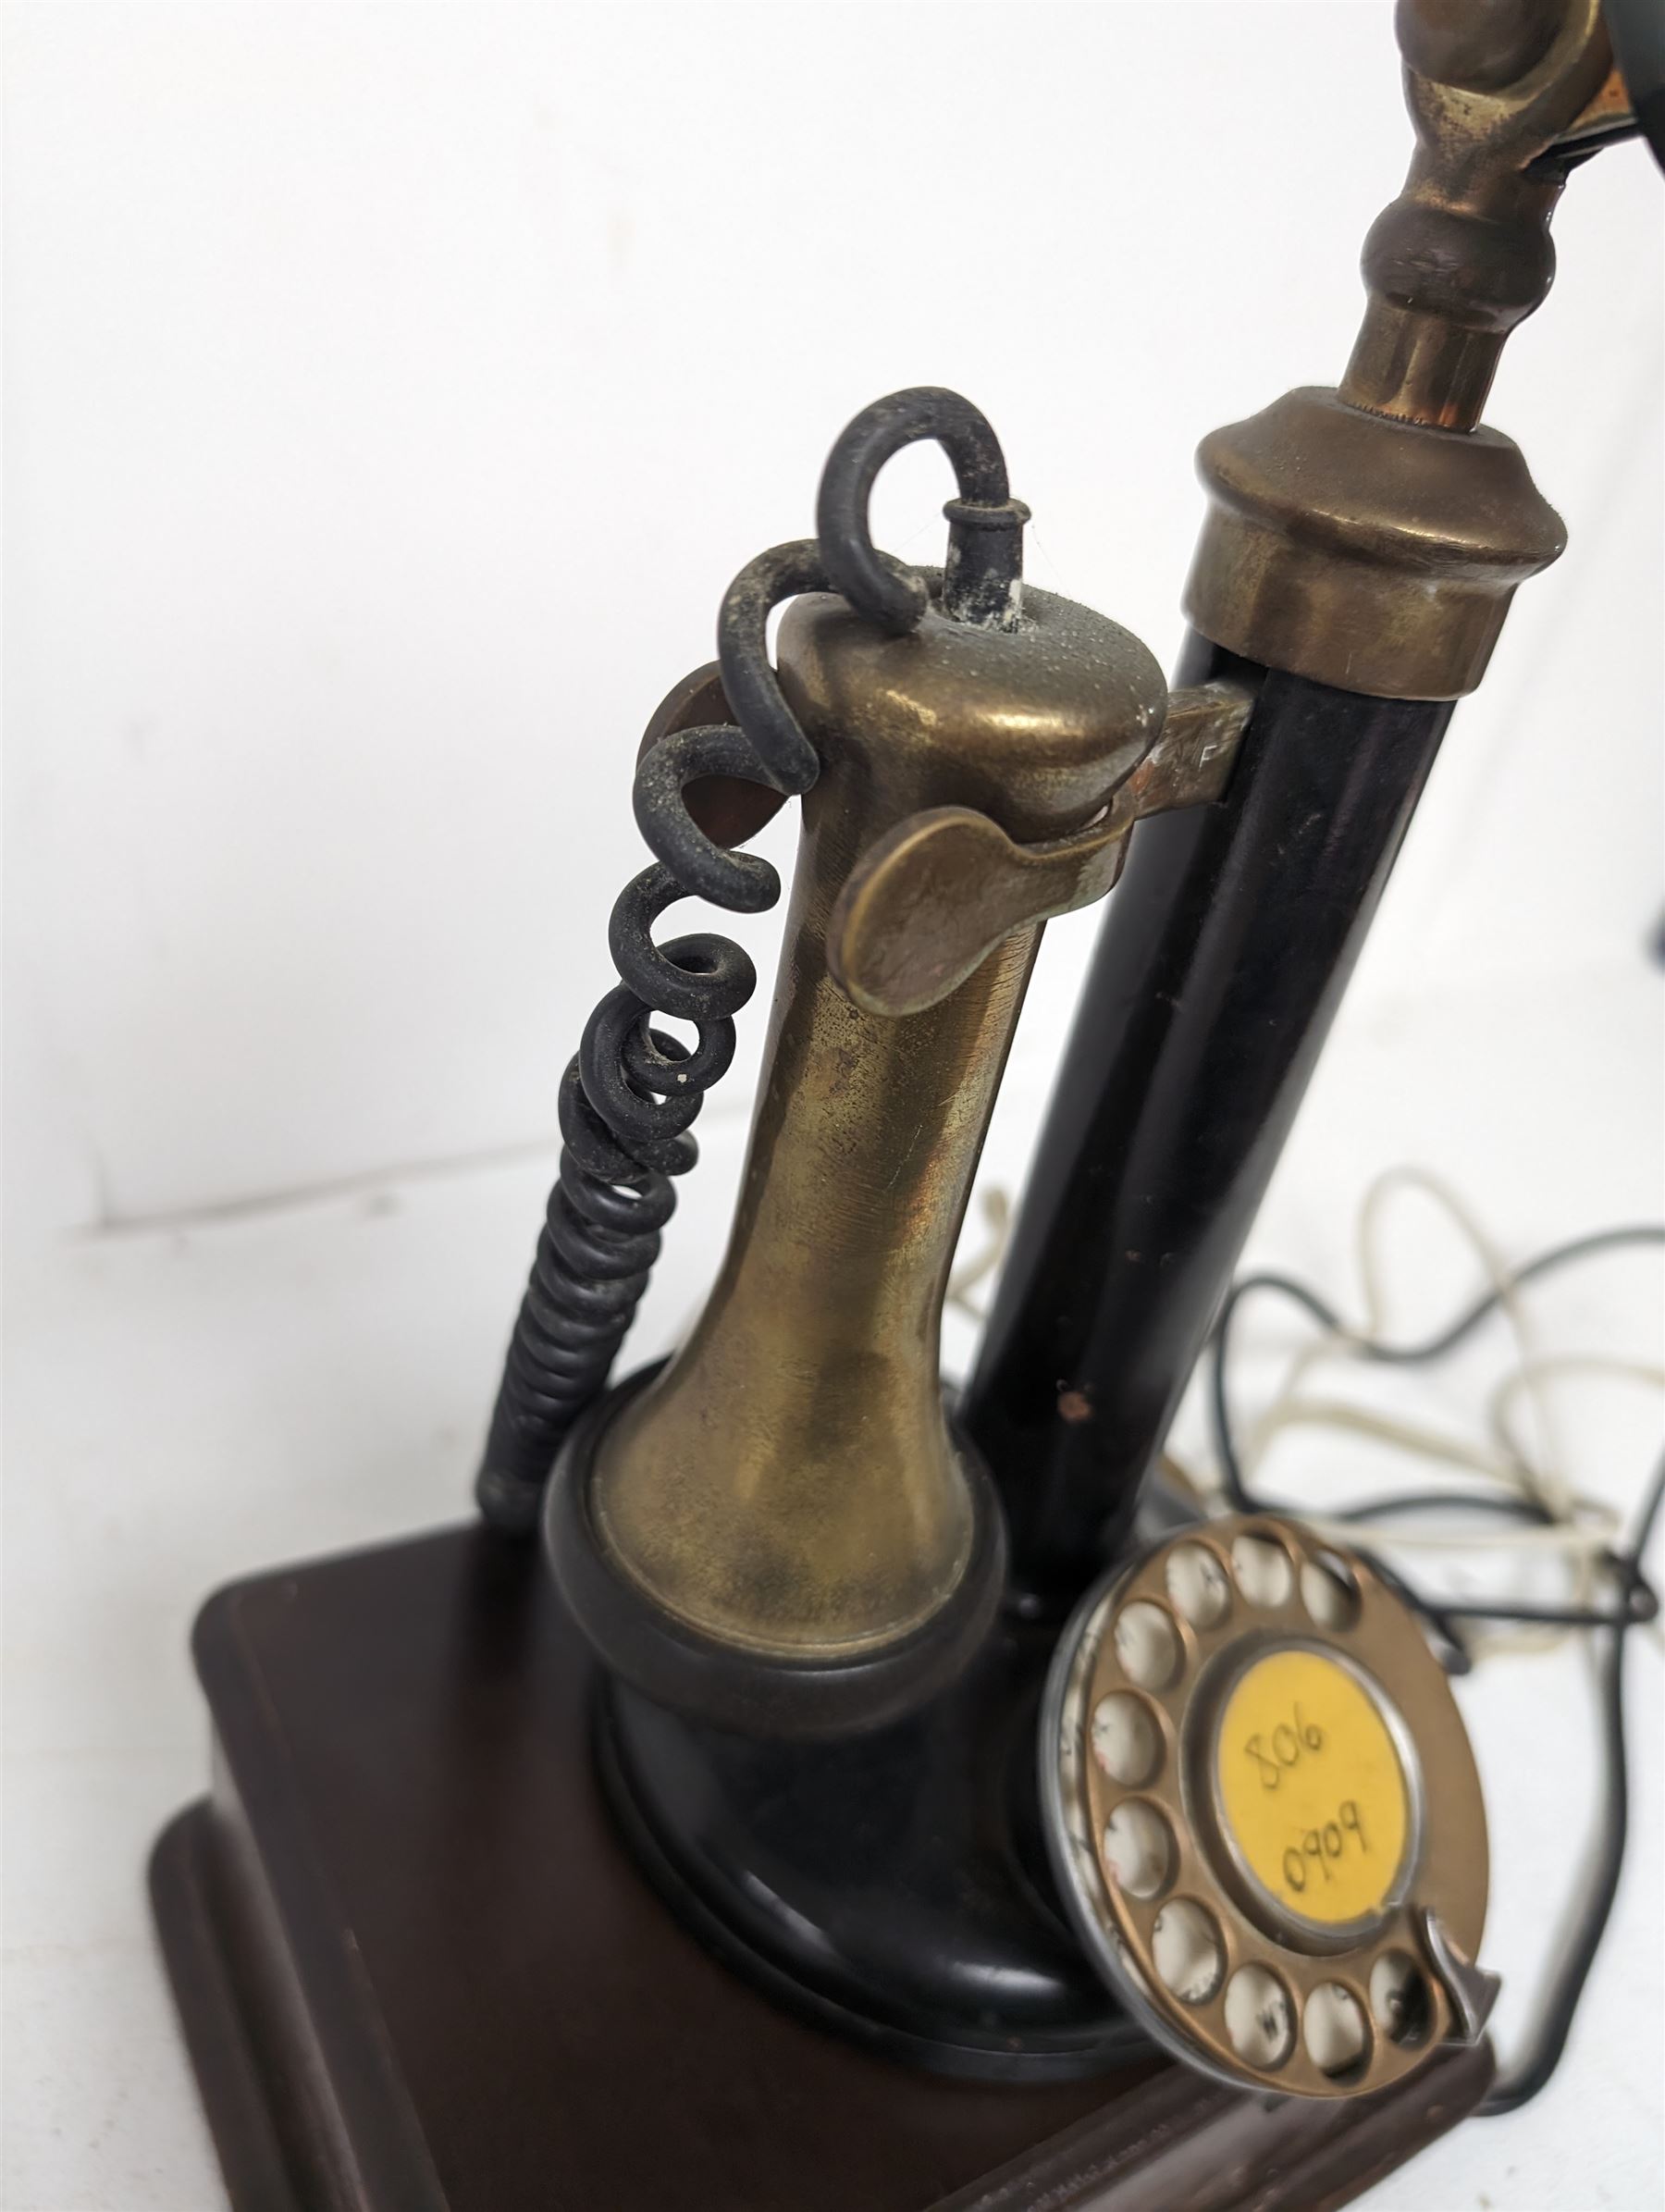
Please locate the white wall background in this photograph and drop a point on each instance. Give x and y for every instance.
(390, 392)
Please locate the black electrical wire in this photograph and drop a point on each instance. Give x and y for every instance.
(1639, 1602)
(1519, 2088)
(1636, 1602)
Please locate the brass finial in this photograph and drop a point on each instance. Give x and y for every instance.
(1371, 537)
(1463, 254)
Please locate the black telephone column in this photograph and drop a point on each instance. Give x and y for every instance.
(1222, 958)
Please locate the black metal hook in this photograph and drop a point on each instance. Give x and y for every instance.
(981, 578)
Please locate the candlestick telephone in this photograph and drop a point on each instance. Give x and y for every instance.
(927, 1738)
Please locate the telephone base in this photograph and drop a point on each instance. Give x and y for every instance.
(891, 1888)
(417, 1971)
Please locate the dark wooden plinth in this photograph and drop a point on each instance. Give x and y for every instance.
(415, 1969)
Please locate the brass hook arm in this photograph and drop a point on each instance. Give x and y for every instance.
(927, 904)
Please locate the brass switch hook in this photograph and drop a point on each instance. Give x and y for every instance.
(781, 1531)
(930, 902)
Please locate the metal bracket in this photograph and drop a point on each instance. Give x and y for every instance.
(1470, 1990)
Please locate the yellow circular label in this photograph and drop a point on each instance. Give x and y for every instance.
(1311, 1787)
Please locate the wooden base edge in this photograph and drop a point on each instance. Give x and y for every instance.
(415, 1971)
(220, 2040)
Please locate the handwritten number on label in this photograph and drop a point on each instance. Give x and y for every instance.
(1321, 1845)
(1289, 1739)
(1270, 1773)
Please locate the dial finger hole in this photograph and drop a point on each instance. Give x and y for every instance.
(1329, 1590)
(1260, 2017)
(1147, 1644)
(1139, 1848)
(1263, 1570)
(1337, 2033)
(1126, 1741)
(1187, 1951)
(1401, 2000)
(1198, 1585)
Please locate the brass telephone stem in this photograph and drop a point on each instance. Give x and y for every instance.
(725, 742)
(782, 1531)
(808, 1387)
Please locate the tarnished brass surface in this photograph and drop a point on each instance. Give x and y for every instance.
(1476, 46)
(1190, 762)
(1610, 113)
(728, 808)
(1431, 1912)
(1376, 555)
(789, 1485)
(931, 899)
(1371, 537)
(1463, 254)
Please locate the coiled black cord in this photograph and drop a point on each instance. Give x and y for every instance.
(629, 1098)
